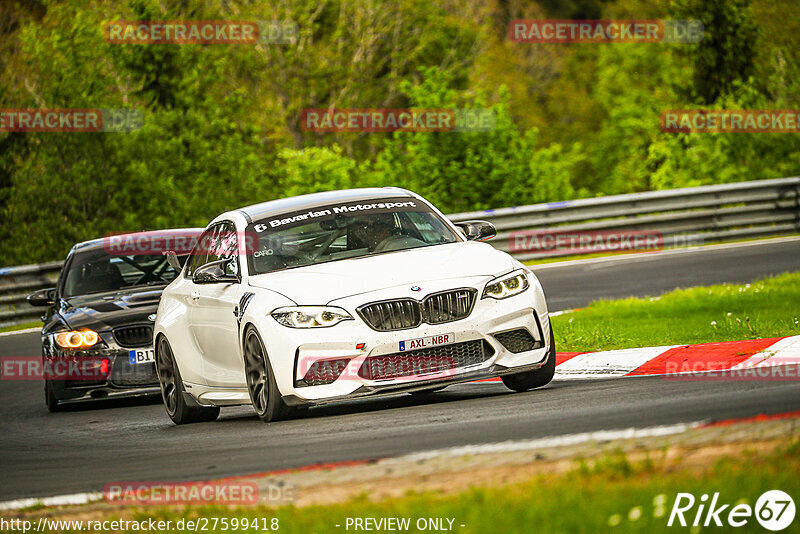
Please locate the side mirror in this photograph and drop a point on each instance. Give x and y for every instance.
(173, 261)
(477, 230)
(217, 272)
(42, 297)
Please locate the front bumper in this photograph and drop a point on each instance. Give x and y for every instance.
(292, 351)
(387, 390)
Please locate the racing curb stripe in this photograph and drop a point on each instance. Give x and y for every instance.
(609, 363)
(756, 419)
(703, 357)
(785, 351)
(677, 359)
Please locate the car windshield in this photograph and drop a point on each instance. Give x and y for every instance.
(97, 272)
(341, 231)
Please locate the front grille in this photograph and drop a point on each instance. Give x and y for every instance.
(518, 340)
(134, 336)
(402, 314)
(392, 314)
(426, 361)
(448, 306)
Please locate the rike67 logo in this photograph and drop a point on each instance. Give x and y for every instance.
(774, 510)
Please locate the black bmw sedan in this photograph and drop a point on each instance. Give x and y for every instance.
(97, 338)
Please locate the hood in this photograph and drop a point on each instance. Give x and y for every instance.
(323, 283)
(103, 311)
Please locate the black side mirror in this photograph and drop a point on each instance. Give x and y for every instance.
(43, 297)
(217, 272)
(477, 230)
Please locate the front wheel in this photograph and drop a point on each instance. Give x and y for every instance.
(534, 379)
(50, 398)
(172, 391)
(261, 385)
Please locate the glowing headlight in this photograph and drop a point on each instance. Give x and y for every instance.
(77, 339)
(505, 287)
(310, 316)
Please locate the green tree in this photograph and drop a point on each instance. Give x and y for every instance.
(726, 54)
(468, 170)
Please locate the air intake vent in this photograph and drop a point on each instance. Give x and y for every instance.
(518, 340)
(426, 361)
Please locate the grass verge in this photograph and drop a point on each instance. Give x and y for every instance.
(726, 312)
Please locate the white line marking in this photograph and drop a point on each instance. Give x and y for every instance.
(558, 441)
(649, 256)
(24, 331)
(58, 500)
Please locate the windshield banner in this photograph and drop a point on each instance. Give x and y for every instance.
(322, 213)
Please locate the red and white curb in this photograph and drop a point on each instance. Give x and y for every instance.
(750, 354)
(680, 359)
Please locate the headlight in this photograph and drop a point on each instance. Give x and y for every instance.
(507, 286)
(310, 316)
(77, 339)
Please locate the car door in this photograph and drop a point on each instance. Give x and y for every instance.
(185, 341)
(213, 315)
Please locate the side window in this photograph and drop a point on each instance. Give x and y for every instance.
(199, 255)
(217, 243)
(226, 247)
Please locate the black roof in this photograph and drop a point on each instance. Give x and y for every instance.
(99, 243)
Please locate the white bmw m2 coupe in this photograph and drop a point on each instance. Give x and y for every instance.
(340, 295)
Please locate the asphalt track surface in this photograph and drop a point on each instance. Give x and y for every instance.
(43, 454)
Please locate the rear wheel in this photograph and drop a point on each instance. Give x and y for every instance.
(534, 379)
(261, 385)
(50, 398)
(172, 391)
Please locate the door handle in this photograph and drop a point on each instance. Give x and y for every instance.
(195, 295)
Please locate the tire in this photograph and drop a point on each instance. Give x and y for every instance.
(534, 379)
(50, 398)
(261, 385)
(172, 390)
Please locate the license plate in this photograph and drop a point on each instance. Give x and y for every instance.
(427, 342)
(142, 356)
